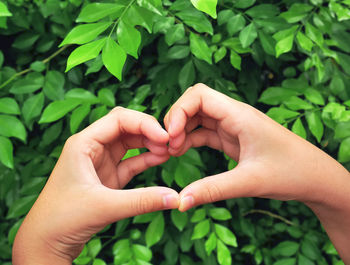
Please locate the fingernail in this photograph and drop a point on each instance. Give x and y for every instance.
(186, 203)
(170, 201)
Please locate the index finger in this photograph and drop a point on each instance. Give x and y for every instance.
(121, 120)
(197, 99)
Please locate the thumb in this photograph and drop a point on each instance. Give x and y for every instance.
(239, 182)
(122, 204)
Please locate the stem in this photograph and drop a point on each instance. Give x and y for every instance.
(119, 18)
(46, 60)
(273, 215)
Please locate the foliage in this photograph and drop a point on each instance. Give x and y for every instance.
(60, 62)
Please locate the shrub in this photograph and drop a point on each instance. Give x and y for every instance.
(64, 64)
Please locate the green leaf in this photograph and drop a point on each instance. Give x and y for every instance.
(199, 48)
(187, 75)
(9, 106)
(284, 45)
(113, 57)
(244, 3)
(276, 95)
(226, 235)
(235, 24)
(122, 251)
(144, 218)
(224, 16)
(21, 206)
(281, 114)
(314, 34)
(58, 109)
(96, 11)
(4, 12)
(99, 262)
(106, 97)
(85, 53)
(29, 84)
(198, 215)
(302, 260)
(342, 130)
(179, 219)
(221, 214)
(207, 6)
(85, 33)
(315, 124)
(223, 254)
(298, 128)
(141, 252)
(178, 52)
(131, 153)
(53, 86)
(263, 11)
(94, 247)
(78, 116)
(129, 38)
(286, 261)
(186, 173)
(296, 103)
(267, 42)
(81, 94)
(12, 127)
(37, 66)
(286, 249)
(174, 34)
(304, 42)
(344, 151)
(137, 15)
(310, 249)
(220, 54)
(210, 243)
(235, 60)
(32, 107)
(248, 35)
(195, 19)
(314, 96)
(201, 229)
(155, 230)
(6, 152)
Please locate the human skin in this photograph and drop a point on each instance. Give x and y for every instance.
(272, 161)
(83, 193)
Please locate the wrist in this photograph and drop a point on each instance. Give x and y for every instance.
(30, 247)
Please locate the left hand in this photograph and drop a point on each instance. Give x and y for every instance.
(83, 193)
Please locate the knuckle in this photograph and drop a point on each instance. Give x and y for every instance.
(144, 204)
(117, 109)
(212, 192)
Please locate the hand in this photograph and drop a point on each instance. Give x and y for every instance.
(83, 192)
(272, 161)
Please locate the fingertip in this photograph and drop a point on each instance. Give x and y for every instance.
(186, 203)
(171, 201)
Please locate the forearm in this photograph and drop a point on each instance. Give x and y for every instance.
(331, 204)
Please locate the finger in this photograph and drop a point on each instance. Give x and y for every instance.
(120, 204)
(236, 183)
(119, 148)
(198, 138)
(199, 120)
(130, 167)
(120, 121)
(198, 98)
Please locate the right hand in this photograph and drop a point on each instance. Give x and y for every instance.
(272, 161)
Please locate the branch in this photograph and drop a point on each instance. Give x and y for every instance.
(46, 60)
(273, 215)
